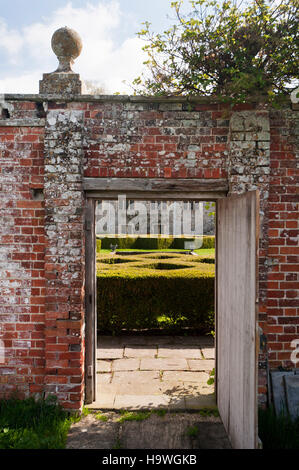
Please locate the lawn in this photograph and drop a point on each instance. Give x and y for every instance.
(200, 252)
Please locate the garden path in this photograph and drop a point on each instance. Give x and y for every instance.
(148, 372)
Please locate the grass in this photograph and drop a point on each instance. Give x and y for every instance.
(139, 415)
(209, 412)
(211, 379)
(278, 432)
(33, 424)
(192, 431)
(101, 417)
(133, 416)
(204, 251)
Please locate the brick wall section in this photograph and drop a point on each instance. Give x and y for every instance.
(283, 253)
(64, 257)
(156, 140)
(22, 246)
(42, 242)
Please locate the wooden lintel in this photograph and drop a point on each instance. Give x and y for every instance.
(211, 188)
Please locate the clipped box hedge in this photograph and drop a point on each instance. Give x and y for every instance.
(134, 292)
(148, 243)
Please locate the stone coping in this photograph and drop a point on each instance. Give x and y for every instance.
(262, 99)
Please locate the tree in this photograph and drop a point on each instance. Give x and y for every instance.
(228, 49)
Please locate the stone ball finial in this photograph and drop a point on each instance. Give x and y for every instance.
(67, 45)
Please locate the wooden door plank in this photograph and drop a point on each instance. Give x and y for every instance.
(236, 317)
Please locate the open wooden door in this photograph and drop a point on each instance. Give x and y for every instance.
(237, 294)
(90, 303)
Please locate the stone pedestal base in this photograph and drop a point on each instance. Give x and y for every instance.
(60, 83)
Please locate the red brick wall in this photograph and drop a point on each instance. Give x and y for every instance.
(283, 285)
(42, 242)
(22, 276)
(156, 141)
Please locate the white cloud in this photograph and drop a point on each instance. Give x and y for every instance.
(10, 41)
(103, 59)
(24, 83)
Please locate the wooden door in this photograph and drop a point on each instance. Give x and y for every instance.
(237, 293)
(90, 303)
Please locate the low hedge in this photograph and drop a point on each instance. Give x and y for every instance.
(148, 243)
(146, 292)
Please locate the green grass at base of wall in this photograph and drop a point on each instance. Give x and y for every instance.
(277, 432)
(33, 424)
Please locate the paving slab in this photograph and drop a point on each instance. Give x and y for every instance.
(186, 389)
(176, 351)
(103, 366)
(163, 364)
(108, 388)
(152, 388)
(104, 378)
(178, 377)
(208, 353)
(183, 376)
(134, 377)
(110, 353)
(201, 364)
(140, 402)
(140, 351)
(104, 401)
(125, 364)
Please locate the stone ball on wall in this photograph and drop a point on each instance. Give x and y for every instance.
(67, 45)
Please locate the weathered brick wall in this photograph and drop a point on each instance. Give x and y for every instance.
(283, 259)
(64, 256)
(22, 247)
(156, 140)
(42, 241)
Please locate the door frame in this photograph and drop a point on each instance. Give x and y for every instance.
(142, 189)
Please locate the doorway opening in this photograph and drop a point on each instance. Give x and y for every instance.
(235, 301)
(155, 282)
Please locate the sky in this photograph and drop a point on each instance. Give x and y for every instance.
(112, 52)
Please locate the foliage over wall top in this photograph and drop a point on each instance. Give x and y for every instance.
(226, 49)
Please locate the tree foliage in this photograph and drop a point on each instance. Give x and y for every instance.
(227, 49)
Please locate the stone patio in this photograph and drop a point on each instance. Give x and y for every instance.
(146, 372)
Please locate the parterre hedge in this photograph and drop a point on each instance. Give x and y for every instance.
(147, 243)
(149, 292)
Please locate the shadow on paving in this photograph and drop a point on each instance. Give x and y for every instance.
(171, 431)
(151, 372)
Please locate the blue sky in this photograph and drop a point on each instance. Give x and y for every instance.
(111, 50)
